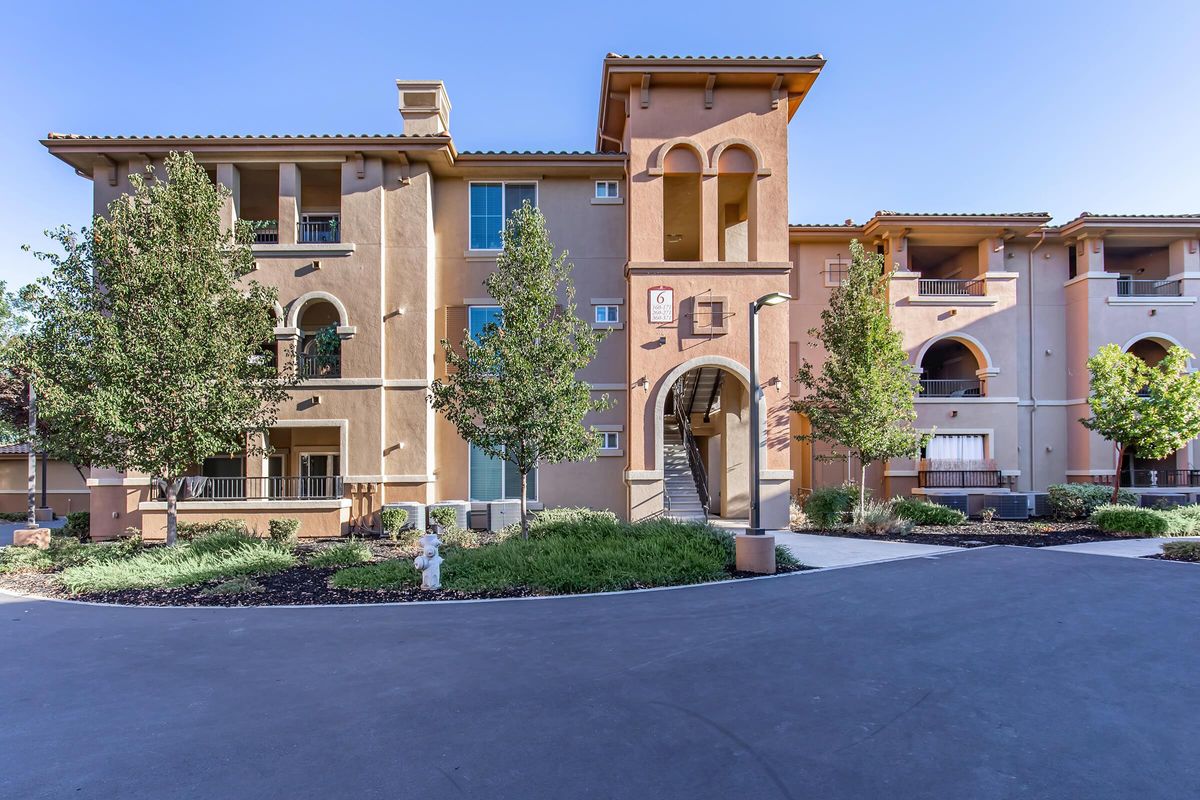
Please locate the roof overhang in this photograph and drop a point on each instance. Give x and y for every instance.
(1132, 230)
(953, 229)
(791, 77)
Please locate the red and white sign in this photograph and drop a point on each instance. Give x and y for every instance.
(662, 304)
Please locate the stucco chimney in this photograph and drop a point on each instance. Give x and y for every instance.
(425, 108)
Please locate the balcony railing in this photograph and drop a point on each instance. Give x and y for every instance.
(951, 387)
(1141, 288)
(1156, 478)
(960, 479)
(951, 287)
(296, 488)
(266, 231)
(319, 231)
(320, 365)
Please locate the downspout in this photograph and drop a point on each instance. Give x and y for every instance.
(1032, 372)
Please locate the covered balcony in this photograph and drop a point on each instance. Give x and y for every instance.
(958, 461)
(950, 367)
(947, 271)
(320, 347)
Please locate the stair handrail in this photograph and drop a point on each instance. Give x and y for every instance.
(696, 464)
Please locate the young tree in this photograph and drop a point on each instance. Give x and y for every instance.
(1149, 412)
(513, 392)
(145, 346)
(862, 399)
(14, 395)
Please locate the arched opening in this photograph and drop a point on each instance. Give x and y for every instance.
(736, 201)
(1151, 472)
(320, 353)
(949, 368)
(1150, 351)
(682, 170)
(706, 445)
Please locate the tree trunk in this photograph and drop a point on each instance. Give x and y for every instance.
(524, 505)
(862, 486)
(173, 485)
(1117, 478)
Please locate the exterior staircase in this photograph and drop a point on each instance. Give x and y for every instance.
(682, 499)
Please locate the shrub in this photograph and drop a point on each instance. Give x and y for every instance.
(224, 554)
(455, 536)
(13, 516)
(1146, 521)
(831, 506)
(342, 554)
(393, 521)
(284, 530)
(1181, 551)
(1079, 500)
(65, 552)
(186, 531)
(446, 516)
(240, 585)
(550, 517)
(79, 526)
(987, 513)
(920, 512)
(397, 573)
(796, 517)
(877, 518)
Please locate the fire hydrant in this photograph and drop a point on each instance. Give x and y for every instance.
(429, 562)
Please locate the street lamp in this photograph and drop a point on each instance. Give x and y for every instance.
(772, 299)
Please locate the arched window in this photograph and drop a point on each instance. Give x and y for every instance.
(681, 168)
(949, 368)
(320, 352)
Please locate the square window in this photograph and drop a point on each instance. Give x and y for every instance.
(607, 189)
(710, 317)
(491, 204)
(610, 440)
(479, 317)
(607, 315)
(835, 271)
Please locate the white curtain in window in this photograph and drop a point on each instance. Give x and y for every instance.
(963, 448)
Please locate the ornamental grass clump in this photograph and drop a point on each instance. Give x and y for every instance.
(342, 554)
(921, 512)
(1181, 551)
(878, 519)
(1136, 521)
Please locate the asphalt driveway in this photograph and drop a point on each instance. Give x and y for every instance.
(992, 673)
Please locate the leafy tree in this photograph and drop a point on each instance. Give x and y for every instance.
(145, 345)
(14, 394)
(513, 391)
(862, 398)
(1148, 411)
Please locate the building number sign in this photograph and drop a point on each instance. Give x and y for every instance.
(662, 304)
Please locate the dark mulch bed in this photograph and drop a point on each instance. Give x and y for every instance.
(300, 585)
(978, 534)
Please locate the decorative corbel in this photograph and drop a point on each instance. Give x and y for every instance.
(360, 166)
(405, 176)
(775, 87)
(708, 90)
(645, 90)
(112, 169)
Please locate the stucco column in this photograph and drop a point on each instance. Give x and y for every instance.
(735, 450)
(255, 468)
(710, 218)
(895, 253)
(1183, 255)
(229, 177)
(1089, 256)
(289, 202)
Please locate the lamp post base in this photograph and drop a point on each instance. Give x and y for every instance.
(755, 552)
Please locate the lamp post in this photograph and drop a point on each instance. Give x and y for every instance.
(756, 394)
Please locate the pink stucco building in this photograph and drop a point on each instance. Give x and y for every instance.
(675, 221)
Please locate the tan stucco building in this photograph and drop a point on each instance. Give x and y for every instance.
(676, 223)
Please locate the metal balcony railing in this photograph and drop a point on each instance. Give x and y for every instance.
(951, 287)
(960, 479)
(951, 387)
(1150, 478)
(321, 230)
(266, 232)
(320, 365)
(323, 487)
(1141, 288)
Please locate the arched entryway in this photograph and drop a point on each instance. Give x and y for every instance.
(703, 445)
(1152, 472)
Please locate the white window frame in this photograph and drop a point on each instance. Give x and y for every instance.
(614, 186)
(607, 308)
(503, 202)
(604, 440)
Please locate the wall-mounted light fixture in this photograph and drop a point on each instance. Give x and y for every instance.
(1153, 312)
(954, 413)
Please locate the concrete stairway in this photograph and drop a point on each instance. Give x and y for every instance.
(683, 499)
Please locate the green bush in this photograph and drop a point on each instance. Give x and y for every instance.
(65, 552)
(222, 554)
(552, 518)
(446, 516)
(186, 531)
(284, 530)
(1181, 551)
(397, 573)
(1079, 500)
(1146, 521)
(879, 519)
(393, 521)
(13, 516)
(455, 536)
(831, 506)
(342, 554)
(920, 512)
(79, 526)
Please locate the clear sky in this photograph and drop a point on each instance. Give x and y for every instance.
(956, 106)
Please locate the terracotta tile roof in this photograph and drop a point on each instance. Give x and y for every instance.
(847, 224)
(77, 136)
(1031, 214)
(535, 153)
(711, 58)
(14, 449)
(1086, 214)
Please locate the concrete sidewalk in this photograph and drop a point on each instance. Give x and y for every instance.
(1125, 548)
(836, 551)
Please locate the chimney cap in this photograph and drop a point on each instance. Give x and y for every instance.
(425, 107)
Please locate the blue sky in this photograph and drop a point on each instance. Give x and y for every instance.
(963, 106)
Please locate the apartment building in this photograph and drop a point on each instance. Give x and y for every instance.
(676, 222)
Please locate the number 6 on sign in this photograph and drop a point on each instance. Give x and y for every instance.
(662, 304)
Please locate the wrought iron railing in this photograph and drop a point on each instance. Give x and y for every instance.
(266, 232)
(319, 365)
(960, 479)
(951, 387)
(1152, 478)
(951, 287)
(1128, 287)
(319, 231)
(265, 488)
(695, 462)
